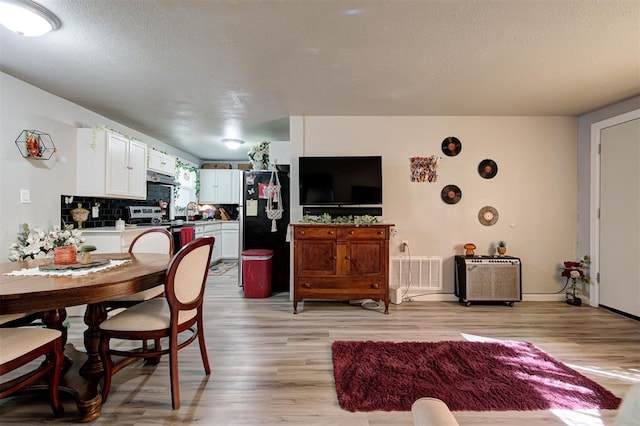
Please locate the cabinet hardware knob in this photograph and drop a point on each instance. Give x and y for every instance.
(375, 286)
(333, 258)
(380, 232)
(330, 232)
(348, 257)
(306, 285)
(301, 232)
(351, 232)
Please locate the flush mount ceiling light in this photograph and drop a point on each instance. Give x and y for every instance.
(27, 18)
(232, 143)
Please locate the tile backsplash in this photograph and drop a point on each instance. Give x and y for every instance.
(110, 209)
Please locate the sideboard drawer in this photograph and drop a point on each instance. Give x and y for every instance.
(366, 233)
(314, 233)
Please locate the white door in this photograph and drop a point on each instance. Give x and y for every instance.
(619, 226)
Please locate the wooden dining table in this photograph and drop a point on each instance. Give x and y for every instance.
(51, 295)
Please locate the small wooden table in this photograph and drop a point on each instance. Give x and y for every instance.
(52, 294)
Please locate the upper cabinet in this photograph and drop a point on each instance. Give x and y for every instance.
(220, 186)
(280, 152)
(161, 163)
(110, 165)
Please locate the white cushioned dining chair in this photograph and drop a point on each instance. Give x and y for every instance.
(20, 346)
(180, 310)
(156, 240)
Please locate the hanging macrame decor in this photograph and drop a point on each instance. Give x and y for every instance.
(274, 200)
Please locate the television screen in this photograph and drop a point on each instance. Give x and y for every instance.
(340, 180)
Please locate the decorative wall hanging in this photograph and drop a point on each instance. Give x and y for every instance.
(274, 201)
(35, 145)
(451, 146)
(487, 169)
(451, 194)
(488, 216)
(423, 169)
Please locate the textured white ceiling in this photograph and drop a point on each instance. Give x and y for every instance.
(191, 72)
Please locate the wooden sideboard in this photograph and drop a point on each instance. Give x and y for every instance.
(341, 262)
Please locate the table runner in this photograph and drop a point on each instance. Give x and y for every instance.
(69, 272)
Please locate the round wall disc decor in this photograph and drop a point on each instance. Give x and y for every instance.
(451, 194)
(488, 216)
(487, 168)
(451, 146)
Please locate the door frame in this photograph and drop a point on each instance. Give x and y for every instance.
(594, 228)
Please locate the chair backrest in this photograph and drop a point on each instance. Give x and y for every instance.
(156, 240)
(187, 274)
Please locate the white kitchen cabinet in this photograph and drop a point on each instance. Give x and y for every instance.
(161, 163)
(216, 254)
(110, 165)
(110, 240)
(220, 186)
(230, 240)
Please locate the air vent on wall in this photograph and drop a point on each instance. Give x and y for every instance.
(417, 272)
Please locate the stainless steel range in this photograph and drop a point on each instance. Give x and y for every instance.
(152, 216)
(144, 215)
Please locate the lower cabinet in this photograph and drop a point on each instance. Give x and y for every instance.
(230, 238)
(341, 262)
(110, 240)
(227, 238)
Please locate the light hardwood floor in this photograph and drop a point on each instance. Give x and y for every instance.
(270, 367)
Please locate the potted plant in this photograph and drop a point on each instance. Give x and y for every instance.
(502, 248)
(574, 271)
(36, 243)
(259, 155)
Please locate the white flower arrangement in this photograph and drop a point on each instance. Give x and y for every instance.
(36, 243)
(259, 152)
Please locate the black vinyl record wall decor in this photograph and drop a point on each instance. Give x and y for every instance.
(451, 194)
(487, 169)
(451, 146)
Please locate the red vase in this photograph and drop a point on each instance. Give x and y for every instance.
(65, 255)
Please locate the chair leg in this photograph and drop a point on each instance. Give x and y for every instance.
(173, 372)
(57, 358)
(203, 348)
(107, 366)
(157, 348)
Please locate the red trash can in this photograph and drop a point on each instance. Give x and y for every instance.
(256, 272)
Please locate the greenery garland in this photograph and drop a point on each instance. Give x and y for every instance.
(182, 166)
(363, 220)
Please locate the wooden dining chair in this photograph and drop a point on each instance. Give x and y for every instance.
(18, 320)
(20, 346)
(155, 240)
(180, 310)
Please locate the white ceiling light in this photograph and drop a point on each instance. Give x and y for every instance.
(27, 18)
(232, 143)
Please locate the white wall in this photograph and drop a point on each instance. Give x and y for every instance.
(535, 190)
(25, 107)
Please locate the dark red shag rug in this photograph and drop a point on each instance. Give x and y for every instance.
(467, 376)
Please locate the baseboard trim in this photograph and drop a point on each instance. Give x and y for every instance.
(395, 296)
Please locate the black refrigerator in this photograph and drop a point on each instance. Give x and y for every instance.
(257, 231)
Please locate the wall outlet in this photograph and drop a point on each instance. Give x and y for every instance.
(403, 245)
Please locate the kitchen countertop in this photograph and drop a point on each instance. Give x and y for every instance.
(161, 225)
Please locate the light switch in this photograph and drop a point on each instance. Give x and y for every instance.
(25, 196)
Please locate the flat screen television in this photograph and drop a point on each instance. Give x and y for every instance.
(340, 180)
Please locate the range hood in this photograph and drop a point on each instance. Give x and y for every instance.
(160, 178)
